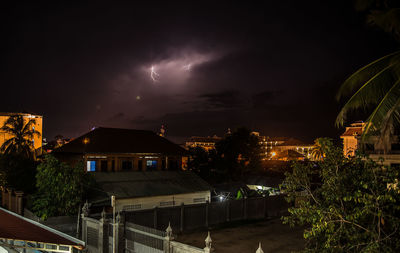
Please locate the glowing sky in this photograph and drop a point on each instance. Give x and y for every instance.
(273, 68)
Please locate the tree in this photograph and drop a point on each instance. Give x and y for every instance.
(21, 136)
(60, 188)
(378, 83)
(346, 204)
(238, 153)
(317, 151)
(17, 172)
(201, 161)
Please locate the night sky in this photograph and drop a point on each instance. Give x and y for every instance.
(273, 67)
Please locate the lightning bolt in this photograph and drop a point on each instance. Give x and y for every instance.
(153, 74)
(187, 67)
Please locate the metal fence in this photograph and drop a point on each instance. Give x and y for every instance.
(143, 239)
(190, 217)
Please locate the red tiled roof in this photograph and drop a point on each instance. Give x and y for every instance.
(16, 227)
(352, 131)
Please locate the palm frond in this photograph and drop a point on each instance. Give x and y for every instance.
(371, 92)
(367, 72)
(388, 20)
(385, 109)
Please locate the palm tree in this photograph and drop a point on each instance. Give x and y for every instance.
(21, 136)
(376, 84)
(319, 149)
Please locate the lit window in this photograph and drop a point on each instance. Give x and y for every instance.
(91, 165)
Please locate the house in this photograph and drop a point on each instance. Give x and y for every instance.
(38, 126)
(115, 149)
(20, 234)
(146, 190)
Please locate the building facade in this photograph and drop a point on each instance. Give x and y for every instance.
(206, 143)
(352, 142)
(351, 138)
(38, 126)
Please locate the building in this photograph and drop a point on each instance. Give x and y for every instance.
(207, 143)
(115, 149)
(284, 148)
(38, 126)
(20, 234)
(351, 137)
(146, 190)
(352, 142)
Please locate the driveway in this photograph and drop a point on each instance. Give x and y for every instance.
(244, 237)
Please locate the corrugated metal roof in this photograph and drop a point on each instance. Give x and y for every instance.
(16, 227)
(145, 184)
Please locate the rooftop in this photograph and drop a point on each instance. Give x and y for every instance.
(20, 113)
(116, 140)
(352, 131)
(16, 227)
(146, 184)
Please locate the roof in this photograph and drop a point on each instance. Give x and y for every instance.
(20, 113)
(16, 227)
(134, 184)
(352, 131)
(204, 139)
(289, 154)
(288, 141)
(116, 140)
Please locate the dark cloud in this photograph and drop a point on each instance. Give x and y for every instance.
(274, 68)
(223, 100)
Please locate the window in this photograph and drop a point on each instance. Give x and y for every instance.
(140, 165)
(91, 165)
(199, 200)
(151, 164)
(132, 207)
(167, 203)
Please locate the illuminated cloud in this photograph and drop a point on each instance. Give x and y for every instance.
(177, 67)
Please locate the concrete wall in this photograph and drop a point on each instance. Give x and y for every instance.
(190, 217)
(162, 201)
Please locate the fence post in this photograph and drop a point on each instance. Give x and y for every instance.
(228, 210)
(120, 240)
(182, 216)
(245, 208)
(207, 204)
(168, 238)
(265, 207)
(103, 234)
(9, 199)
(19, 204)
(208, 241)
(155, 217)
(259, 250)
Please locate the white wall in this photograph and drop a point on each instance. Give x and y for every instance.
(151, 202)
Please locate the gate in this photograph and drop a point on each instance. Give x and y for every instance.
(140, 239)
